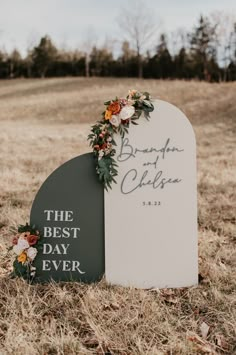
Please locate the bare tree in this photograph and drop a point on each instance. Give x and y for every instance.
(139, 24)
(87, 46)
(31, 42)
(177, 40)
(224, 39)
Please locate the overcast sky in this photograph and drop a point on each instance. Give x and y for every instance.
(23, 22)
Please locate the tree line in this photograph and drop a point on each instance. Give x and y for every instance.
(200, 55)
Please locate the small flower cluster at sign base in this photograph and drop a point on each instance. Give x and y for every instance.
(25, 245)
(117, 117)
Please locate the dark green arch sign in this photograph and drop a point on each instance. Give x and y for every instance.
(69, 211)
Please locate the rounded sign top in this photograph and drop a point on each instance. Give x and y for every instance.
(151, 213)
(69, 211)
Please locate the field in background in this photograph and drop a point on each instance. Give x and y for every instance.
(44, 123)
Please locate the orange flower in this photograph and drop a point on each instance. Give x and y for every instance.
(108, 115)
(114, 107)
(22, 257)
(32, 239)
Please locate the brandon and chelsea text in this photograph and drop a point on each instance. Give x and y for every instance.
(134, 179)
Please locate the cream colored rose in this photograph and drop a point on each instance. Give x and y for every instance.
(20, 246)
(31, 253)
(23, 244)
(126, 112)
(17, 250)
(115, 120)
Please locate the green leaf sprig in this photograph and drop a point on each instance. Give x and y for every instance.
(116, 118)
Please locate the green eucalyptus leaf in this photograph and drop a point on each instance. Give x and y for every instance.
(20, 269)
(106, 167)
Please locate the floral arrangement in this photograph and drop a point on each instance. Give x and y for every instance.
(116, 118)
(25, 245)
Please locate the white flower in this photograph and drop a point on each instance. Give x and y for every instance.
(32, 252)
(127, 112)
(23, 244)
(17, 249)
(109, 139)
(20, 246)
(100, 154)
(115, 120)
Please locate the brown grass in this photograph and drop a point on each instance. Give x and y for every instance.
(43, 124)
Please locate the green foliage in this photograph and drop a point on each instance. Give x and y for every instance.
(27, 228)
(107, 171)
(21, 270)
(102, 134)
(24, 267)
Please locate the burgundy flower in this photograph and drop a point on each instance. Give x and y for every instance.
(32, 239)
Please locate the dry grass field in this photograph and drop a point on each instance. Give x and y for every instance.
(44, 123)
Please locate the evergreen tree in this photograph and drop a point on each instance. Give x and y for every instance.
(203, 51)
(181, 65)
(15, 63)
(100, 62)
(161, 64)
(232, 65)
(3, 65)
(43, 55)
(126, 64)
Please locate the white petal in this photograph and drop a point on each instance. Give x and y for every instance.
(127, 112)
(115, 120)
(32, 252)
(23, 244)
(17, 249)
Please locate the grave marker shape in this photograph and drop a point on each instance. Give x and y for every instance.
(69, 211)
(151, 213)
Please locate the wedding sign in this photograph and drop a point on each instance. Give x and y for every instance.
(151, 213)
(69, 212)
(148, 148)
